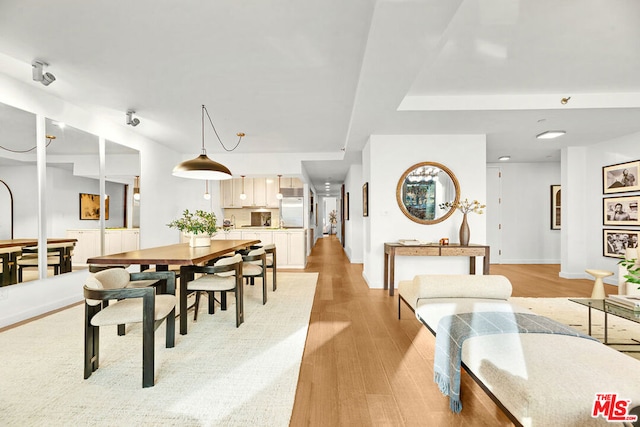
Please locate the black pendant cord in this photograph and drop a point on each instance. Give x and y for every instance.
(240, 135)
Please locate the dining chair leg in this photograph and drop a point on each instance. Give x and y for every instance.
(223, 300)
(212, 303)
(170, 338)
(264, 286)
(196, 307)
(148, 340)
(91, 342)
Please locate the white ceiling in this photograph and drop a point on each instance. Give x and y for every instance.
(320, 77)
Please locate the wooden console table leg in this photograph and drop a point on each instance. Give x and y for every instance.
(392, 275)
(487, 261)
(472, 265)
(386, 271)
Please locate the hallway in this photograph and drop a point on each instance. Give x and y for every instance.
(362, 366)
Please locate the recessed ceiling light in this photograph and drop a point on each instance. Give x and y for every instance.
(327, 183)
(550, 134)
(504, 158)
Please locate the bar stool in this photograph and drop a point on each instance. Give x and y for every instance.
(598, 285)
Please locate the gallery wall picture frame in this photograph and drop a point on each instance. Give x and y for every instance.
(346, 206)
(615, 242)
(621, 177)
(556, 207)
(365, 199)
(90, 206)
(620, 211)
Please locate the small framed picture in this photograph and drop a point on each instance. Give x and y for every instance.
(346, 206)
(615, 242)
(90, 206)
(556, 210)
(365, 199)
(621, 178)
(620, 210)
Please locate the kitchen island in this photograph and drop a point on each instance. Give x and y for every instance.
(291, 243)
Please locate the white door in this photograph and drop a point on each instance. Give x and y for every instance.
(494, 213)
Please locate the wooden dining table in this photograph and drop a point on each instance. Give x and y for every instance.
(179, 254)
(10, 250)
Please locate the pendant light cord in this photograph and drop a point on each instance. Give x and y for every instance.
(240, 135)
(26, 151)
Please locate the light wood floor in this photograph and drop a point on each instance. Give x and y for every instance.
(362, 366)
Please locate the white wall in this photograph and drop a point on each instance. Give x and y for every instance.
(385, 159)
(582, 245)
(527, 237)
(354, 225)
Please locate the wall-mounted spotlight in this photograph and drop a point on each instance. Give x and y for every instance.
(39, 75)
(131, 121)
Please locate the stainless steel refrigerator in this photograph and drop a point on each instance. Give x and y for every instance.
(292, 212)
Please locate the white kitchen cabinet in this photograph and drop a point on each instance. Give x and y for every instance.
(230, 190)
(115, 241)
(297, 248)
(259, 191)
(265, 237)
(130, 239)
(112, 242)
(248, 191)
(228, 235)
(87, 246)
(291, 248)
(271, 190)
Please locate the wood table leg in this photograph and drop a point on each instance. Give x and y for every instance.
(472, 265)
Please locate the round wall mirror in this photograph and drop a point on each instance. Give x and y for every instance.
(421, 190)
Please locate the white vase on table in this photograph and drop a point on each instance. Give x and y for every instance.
(198, 240)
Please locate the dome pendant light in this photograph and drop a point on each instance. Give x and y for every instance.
(202, 167)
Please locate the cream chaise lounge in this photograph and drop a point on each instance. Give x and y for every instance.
(537, 379)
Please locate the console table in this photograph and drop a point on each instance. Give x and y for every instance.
(399, 249)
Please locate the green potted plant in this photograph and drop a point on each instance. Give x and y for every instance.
(633, 270)
(199, 226)
(333, 220)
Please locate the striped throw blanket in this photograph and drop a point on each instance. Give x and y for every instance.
(454, 329)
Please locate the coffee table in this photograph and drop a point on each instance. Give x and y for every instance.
(609, 308)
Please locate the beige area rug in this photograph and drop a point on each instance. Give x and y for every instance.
(216, 375)
(575, 315)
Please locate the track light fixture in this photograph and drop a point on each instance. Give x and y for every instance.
(39, 75)
(131, 121)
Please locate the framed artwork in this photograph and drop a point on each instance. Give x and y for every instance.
(365, 199)
(90, 206)
(346, 206)
(621, 178)
(616, 241)
(556, 208)
(620, 210)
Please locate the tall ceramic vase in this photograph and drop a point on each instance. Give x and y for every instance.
(465, 233)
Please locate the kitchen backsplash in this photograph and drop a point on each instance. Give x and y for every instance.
(243, 216)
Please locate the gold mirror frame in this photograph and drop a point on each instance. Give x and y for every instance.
(402, 180)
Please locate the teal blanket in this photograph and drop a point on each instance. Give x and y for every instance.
(454, 329)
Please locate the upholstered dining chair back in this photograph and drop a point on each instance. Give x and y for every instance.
(225, 275)
(134, 305)
(271, 261)
(255, 265)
